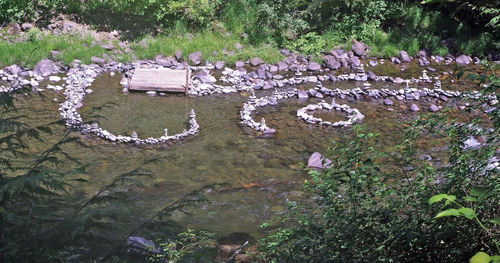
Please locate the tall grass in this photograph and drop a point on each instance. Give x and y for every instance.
(39, 45)
(210, 44)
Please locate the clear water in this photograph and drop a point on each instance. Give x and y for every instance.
(263, 173)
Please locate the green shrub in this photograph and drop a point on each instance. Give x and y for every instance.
(310, 43)
(372, 206)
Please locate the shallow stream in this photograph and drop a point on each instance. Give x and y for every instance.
(263, 172)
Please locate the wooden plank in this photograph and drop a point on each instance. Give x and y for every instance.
(160, 80)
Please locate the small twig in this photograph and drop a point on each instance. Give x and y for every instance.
(237, 251)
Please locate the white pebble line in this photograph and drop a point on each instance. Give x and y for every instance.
(353, 114)
(75, 92)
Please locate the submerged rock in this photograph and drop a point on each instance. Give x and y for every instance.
(433, 108)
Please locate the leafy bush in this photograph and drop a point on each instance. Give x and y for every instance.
(310, 43)
(356, 216)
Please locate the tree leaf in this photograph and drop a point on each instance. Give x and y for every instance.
(467, 212)
(480, 257)
(449, 212)
(495, 258)
(470, 199)
(480, 193)
(439, 197)
(495, 220)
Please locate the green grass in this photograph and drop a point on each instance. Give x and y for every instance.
(40, 45)
(76, 47)
(209, 43)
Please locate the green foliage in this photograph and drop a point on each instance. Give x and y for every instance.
(185, 245)
(195, 14)
(43, 216)
(309, 44)
(39, 46)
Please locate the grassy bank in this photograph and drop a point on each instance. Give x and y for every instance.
(213, 46)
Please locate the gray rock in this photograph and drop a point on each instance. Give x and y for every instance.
(195, 58)
(354, 62)
(238, 46)
(282, 66)
(438, 59)
(372, 63)
(331, 62)
(332, 78)
(405, 58)
(261, 73)
(463, 60)
(205, 77)
(219, 65)
(422, 62)
(388, 102)
(97, 60)
(395, 60)
(414, 107)
(313, 66)
(359, 48)
(398, 80)
(423, 53)
(433, 108)
(27, 26)
(44, 68)
(269, 131)
(318, 161)
(13, 69)
(256, 61)
(178, 55)
(471, 143)
(371, 75)
(239, 64)
(302, 94)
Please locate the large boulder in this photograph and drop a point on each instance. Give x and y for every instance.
(195, 58)
(331, 62)
(463, 60)
(318, 161)
(45, 67)
(359, 48)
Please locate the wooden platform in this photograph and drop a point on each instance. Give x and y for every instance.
(168, 80)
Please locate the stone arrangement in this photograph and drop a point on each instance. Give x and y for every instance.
(79, 78)
(353, 115)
